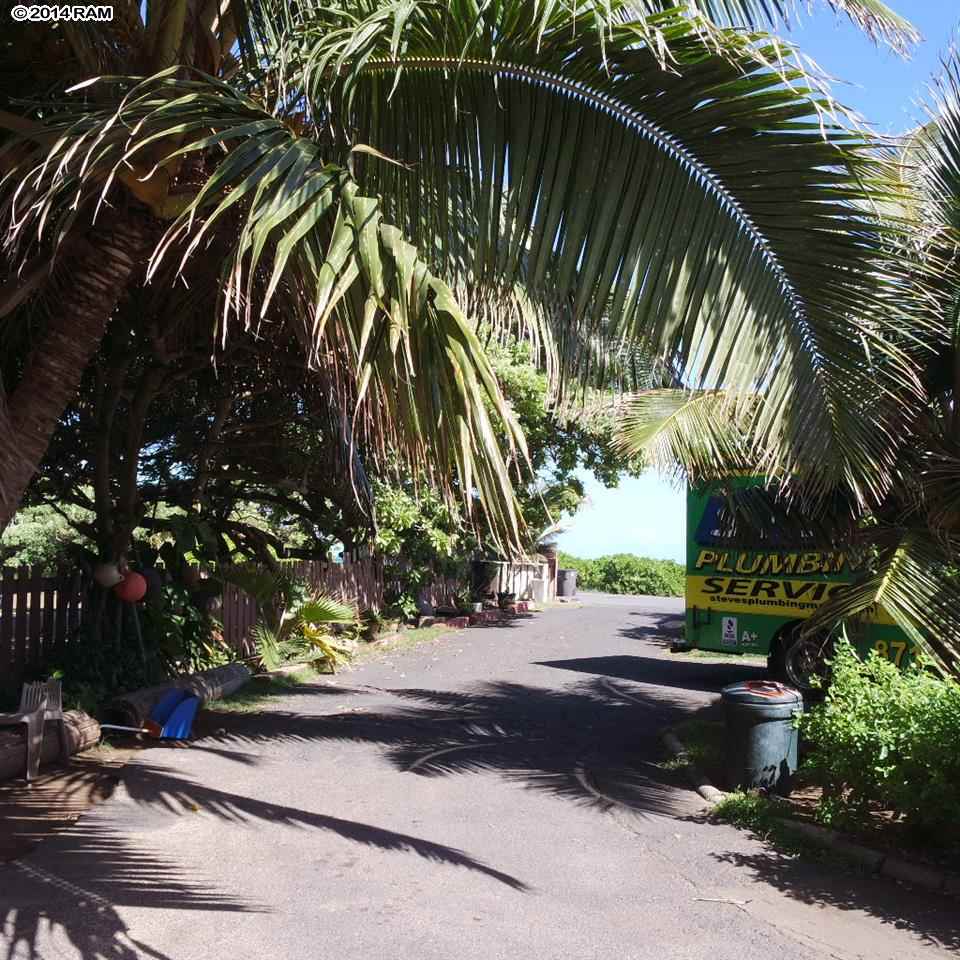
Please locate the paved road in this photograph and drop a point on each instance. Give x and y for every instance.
(494, 794)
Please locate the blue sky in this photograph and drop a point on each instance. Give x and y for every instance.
(646, 516)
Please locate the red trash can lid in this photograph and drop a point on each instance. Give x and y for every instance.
(761, 691)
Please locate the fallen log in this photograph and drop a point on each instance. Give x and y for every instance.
(82, 732)
(133, 708)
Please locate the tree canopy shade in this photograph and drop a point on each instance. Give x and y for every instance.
(648, 178)
(335, 266)
(215, 452)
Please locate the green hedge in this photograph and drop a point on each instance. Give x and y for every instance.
(886, 739)
(627, 573)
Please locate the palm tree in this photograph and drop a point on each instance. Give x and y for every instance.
(647, 175)
(84, 184)
(906, 524)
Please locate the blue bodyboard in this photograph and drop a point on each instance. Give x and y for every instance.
(162, 712)
(180, 723)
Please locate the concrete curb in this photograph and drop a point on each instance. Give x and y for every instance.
(895, 868)
(700, 782)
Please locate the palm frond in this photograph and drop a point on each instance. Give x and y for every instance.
(876, 19)
(320, 609)
(699, 436)
(323, 651)
(913, 578)
(709, 212)
(268, 645)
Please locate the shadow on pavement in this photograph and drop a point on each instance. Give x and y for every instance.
(705, 676)
(70, 890)
(595, 744)
(169, 795)
(663, 629)
(928, 915)
(94, 870)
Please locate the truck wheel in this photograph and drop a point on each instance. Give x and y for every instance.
(805, 662)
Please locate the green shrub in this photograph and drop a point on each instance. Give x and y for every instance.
(41, 537)
(628, 573)
(886, 738)
(749, 810)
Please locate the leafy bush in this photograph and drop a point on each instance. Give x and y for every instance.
(170, 635)
(628, 573)
(886, 738)
(41, 537)
(294, 622)
(421, 538)
(185, 637)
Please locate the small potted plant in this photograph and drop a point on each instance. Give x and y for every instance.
(466, 602)
(505, 599)
(374, 623)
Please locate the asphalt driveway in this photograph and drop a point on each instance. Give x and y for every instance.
(493, 794)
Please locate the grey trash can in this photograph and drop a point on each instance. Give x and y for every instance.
(566, 583)
(762, 739)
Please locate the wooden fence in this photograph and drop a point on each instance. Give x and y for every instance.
(39, 614)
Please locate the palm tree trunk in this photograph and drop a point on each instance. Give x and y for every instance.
(56, 364)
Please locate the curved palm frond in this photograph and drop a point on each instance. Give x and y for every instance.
(304, 233)
(876, 19)
(707, 211)
(913, 579)
(695, 435)
(930, 159)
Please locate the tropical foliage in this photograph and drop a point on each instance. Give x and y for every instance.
(331, 209)
(420, 536)
(41, 537)
(558, 155)
(627, 573)
(898, 498)
(172, 633)
(421, 539)
(294, 622)
(255, 219)
(880, 737)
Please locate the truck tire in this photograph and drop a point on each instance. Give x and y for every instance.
(797, 661)
(805, 663)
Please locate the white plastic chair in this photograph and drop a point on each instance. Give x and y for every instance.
(39, 702)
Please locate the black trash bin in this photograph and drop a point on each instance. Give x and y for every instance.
(762, 739)
(566, 583)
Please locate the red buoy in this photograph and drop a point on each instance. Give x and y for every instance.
(132, 588)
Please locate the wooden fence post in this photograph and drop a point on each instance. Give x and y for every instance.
(20, 621)
(6, 622)
(34, 632)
